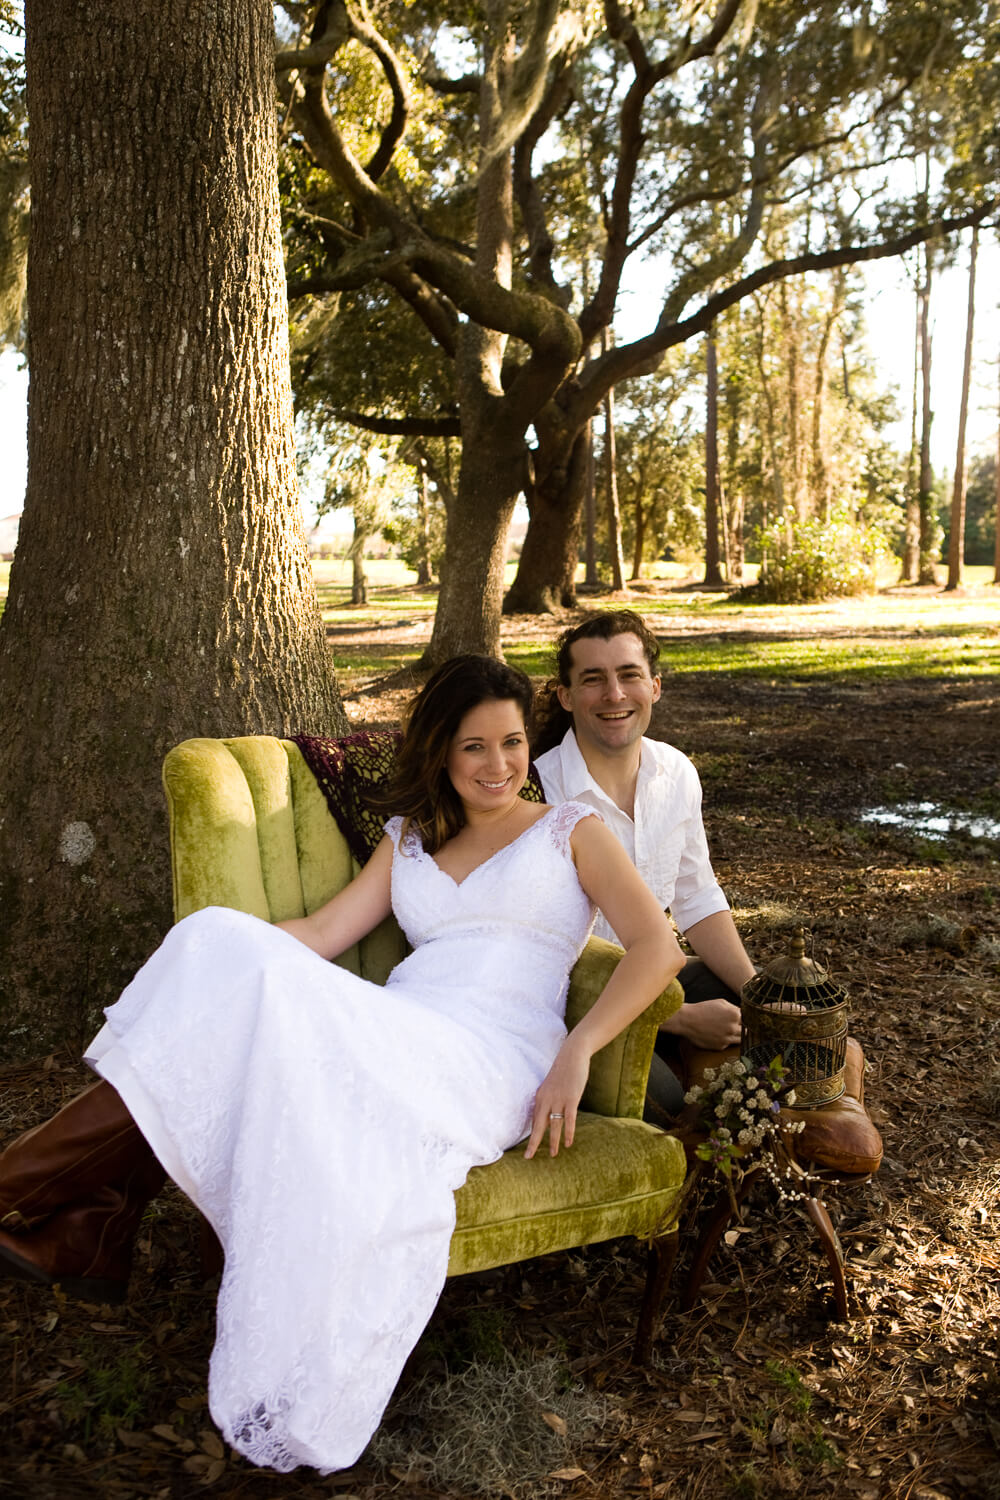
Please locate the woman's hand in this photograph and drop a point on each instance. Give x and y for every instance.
(558, 1098)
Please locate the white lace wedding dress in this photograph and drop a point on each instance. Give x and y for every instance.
(323, 1123)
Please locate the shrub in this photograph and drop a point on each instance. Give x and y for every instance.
(811, 560)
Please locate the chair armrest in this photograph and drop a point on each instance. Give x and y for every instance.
(619, 1072)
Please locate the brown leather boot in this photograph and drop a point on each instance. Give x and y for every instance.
(86, 1247)
(92, 1141)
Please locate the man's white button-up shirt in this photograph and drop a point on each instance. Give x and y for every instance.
(666, 839)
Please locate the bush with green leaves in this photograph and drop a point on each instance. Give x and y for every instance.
(807, 560)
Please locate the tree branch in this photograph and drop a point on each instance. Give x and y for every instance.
(470, 84)
(400, 426)
(540, 243)
(365, 32)
(643, 354)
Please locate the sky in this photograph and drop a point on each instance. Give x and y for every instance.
(890, 315)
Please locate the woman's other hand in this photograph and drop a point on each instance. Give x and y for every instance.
(558, 1098)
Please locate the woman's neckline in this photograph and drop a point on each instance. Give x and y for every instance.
(490, 857)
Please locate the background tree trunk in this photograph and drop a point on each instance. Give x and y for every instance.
(925, 495)
(467, 617)
(910, 567)
(423, 522)
(590, 512)
(359, 578)
(996, 513)
(615, 556)
(161, 586)
(713, 570)
(546, 571)
(956, 539)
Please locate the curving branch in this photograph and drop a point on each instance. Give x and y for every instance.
(547, 329)
(470, 83)
(529, 199)
(365, 32)
(642, 356)
(399, 426)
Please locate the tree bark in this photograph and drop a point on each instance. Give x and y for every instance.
(472, 576)
(956, 540)
(925, 496)
(161, 586)
(590, 512)
(359, 578)
(713, 569)
(996, 513)
(546, 571)
(910, 568)
(615, 555)
(424, 575)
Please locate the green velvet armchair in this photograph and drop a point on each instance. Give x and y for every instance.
(250, 829)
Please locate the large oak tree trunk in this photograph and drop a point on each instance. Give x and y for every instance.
(161, 586)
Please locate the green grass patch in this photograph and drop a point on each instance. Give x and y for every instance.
(960, 652)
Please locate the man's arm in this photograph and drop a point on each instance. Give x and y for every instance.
(714, 1024)
(718, 944)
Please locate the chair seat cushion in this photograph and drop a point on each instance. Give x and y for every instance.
(620, 1177)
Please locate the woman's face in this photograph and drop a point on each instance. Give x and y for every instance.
(488, 756)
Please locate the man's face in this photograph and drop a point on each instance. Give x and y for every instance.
(611, 693)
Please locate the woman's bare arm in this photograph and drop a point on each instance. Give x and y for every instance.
(352, 913)
(652, 958)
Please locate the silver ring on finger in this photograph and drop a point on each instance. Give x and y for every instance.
(556, 1116)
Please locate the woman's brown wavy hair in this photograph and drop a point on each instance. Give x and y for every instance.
(420, 787)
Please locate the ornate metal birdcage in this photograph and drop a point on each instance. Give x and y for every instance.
(793, 1010)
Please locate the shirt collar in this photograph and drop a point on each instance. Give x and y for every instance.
(577, 778)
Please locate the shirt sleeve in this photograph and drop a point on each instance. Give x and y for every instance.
(697, 893)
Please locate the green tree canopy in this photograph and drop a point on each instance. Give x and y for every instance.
(500, 170)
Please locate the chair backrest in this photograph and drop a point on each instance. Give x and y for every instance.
(250, 829)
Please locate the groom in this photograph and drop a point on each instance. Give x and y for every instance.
(591, 747)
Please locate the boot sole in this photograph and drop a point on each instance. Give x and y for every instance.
(80, 1288)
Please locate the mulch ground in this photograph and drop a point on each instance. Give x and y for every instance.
(757, 1391)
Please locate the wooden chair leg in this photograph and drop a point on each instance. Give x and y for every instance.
(817, 1211)
(716, 1225)
(661, 1258)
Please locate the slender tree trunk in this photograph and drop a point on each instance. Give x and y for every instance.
(615, 555)
(590, 512)
(910, 568)
(770, 422)
(926, 572)
(735, 505)
(161, 587)
(639, 512)
(996, 514)
(359, 579)
(713, 570)
(956, 541)
(424, 532)
(819, 481)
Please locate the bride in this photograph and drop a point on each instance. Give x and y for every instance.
(322, 1123)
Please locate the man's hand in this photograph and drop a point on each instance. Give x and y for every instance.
(711, 1024)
